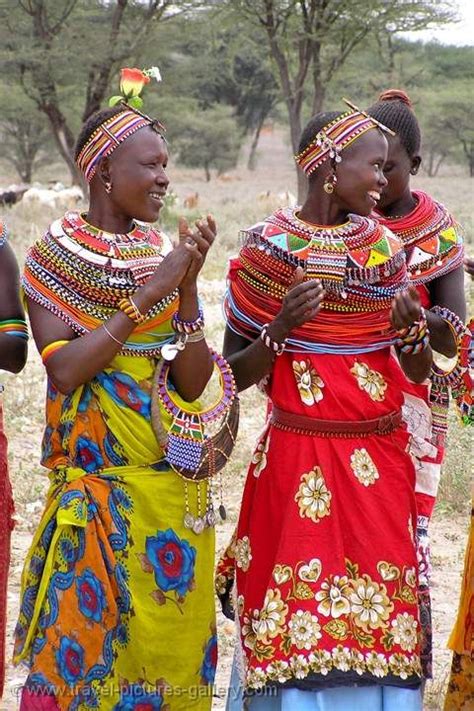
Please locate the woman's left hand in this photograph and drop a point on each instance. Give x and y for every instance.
(198, 243)
(406, 308)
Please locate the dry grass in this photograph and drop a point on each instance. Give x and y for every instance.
(234, 204)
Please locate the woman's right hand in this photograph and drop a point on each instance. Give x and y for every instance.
(301, 303)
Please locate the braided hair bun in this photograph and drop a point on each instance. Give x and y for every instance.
(394, 109)
(396, 95)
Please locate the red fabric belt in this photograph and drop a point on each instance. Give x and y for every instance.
(301, 424)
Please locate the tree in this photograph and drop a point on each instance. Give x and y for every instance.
(207, 139)
(235, 70)
(312, 39)
(41, 38)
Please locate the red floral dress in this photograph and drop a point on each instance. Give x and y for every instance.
(324, 552)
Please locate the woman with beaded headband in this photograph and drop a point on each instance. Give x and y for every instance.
(434, 248)
(13, 352)
(323, 555)
(117, 608)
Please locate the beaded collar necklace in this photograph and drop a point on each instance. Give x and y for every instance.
(361, 266)
(432, 239)
(81, 278)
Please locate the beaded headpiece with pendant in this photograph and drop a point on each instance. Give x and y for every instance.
(331, 140)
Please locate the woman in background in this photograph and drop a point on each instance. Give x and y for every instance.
(434, 248)
(13, 352)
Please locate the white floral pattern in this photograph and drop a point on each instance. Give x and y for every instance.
(334, 597)
(308, 381)
(243, 554)
(370, 605)
(313, 497)
(272, 616)
(304, 629)
(405, 631)
(363, 467)
(370, 381)
(260, 456)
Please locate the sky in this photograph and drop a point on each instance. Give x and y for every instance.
(460, 33)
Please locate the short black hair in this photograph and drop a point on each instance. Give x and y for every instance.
(394, 110)
(92, 123)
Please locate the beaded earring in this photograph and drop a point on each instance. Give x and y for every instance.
(108, 187)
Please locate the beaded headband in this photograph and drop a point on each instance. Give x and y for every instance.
(116, 129)
(335, 136)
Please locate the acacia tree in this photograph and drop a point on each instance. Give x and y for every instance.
(310, 40)
(54, 48)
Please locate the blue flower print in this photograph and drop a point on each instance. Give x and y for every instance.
(90, 593)
(209, 664)
(135, 698)
(70, 660)
(173, 561)
(88, 455)
(126, 392)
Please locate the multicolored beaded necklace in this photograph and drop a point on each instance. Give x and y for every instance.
(433, 240)
(80, 273)
(361, 265)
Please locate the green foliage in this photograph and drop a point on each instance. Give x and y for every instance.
(208, 139)
(26, 141)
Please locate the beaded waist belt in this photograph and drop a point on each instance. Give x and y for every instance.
(300, 424)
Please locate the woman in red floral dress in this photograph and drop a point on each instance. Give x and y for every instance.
(324, 550)
(434, 248)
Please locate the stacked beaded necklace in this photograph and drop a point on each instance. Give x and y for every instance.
(360, 264)
(432, 239)
(80, 274)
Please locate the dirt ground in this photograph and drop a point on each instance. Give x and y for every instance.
(237, 200)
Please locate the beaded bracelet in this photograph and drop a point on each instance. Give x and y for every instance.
(268, 341)
(51, 348)
(182, 326)
(130, 309)
(415, 338)
(15, 327)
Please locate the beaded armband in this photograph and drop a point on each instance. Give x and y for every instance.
(458, 379)
(415, 338)
(15, 327)
(130, 309)
(268, 341)
(51, 348)
(188, 327)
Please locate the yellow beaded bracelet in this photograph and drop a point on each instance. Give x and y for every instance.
(130, 309)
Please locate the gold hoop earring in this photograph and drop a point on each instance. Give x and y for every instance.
(330, 183)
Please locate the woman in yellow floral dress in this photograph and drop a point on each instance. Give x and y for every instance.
(117, 608)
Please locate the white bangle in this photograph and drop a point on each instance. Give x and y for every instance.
(268, 341)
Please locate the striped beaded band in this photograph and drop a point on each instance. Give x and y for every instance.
(3, 233)
(51, 348)
(14, 327)
(107, 137)
(333, 138)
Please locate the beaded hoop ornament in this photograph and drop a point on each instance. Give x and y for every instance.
(190, 451)
(458, 379)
